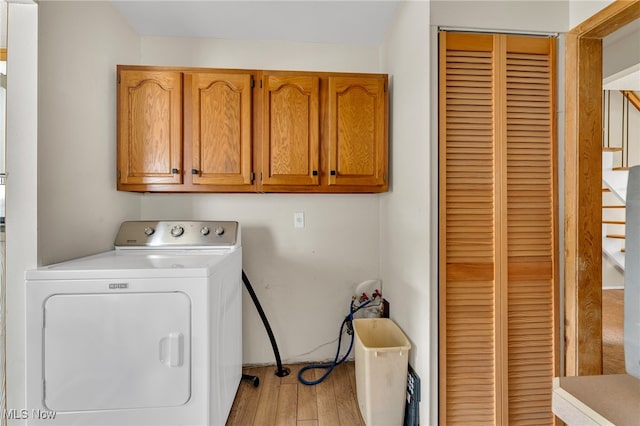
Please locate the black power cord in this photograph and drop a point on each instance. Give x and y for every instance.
(281, 371)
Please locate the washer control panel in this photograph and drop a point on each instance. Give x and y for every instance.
(183, 234)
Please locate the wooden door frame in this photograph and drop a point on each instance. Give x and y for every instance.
(583, 186)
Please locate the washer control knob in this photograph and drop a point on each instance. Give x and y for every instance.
(204, 231)
(219, 231)
(177, 230)
(148, 231)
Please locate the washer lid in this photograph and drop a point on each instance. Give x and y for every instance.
(144, 263)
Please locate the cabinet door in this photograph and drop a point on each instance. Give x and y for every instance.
(149, 127)
(357, 148)
(291, 132)
(116, 351)
(218, 109)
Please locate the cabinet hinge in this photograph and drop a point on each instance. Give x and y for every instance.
(118, 78)
(253, 83)
(252, 176)
(261, 84)
(260, 176)
(385, 87)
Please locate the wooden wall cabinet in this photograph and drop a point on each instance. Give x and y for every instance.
(218, 114)
(357, 149)
(210, 130)
(184, 130)
(149, 128)
(290, 130)
(323, 132)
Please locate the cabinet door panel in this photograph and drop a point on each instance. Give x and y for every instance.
(357, 131)
(150, 127)
(291, 133)
(221, 128)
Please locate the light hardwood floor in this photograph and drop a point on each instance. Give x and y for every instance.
(612, 336)
(285, 401)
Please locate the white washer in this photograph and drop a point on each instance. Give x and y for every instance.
(149, 333)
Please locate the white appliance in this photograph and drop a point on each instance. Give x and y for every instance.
(631, 330)
(146, 334)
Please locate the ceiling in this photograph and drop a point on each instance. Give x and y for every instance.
(627, 79)
(361, 22)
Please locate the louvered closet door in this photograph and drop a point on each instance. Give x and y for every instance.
(497, 229)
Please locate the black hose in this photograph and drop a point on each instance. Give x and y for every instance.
(281, 371)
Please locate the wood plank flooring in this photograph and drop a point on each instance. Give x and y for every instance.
(286, 401)
(612, 328)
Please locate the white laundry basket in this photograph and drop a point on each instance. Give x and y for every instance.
(382, 352)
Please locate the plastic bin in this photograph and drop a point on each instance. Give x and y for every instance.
(382, 359)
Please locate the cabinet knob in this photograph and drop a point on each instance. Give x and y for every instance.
(174, 171)
(333, 172)
(314, 173)
(194, 171)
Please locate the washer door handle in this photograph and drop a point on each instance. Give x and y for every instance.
(172, 350)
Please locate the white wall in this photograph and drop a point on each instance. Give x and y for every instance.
(406, 211)
(21, 219)
(266, 55)
(526, 15)
(79, 207)
(621, 51)
(304, 278)
(61, 198)
(3, 26)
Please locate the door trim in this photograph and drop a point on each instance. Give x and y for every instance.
(583, 195)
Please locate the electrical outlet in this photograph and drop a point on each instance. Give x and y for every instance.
(298, 220)
(412, 412)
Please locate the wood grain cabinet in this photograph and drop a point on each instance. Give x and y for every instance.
(184, 130)
(357, 139)
(323, 132)
(211, 130)
(218, 113)
(149, 128)
(290, 130)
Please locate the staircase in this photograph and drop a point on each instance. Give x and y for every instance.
(614, 195)
(615, 171)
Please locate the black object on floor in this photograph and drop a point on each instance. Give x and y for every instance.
(254, 379)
